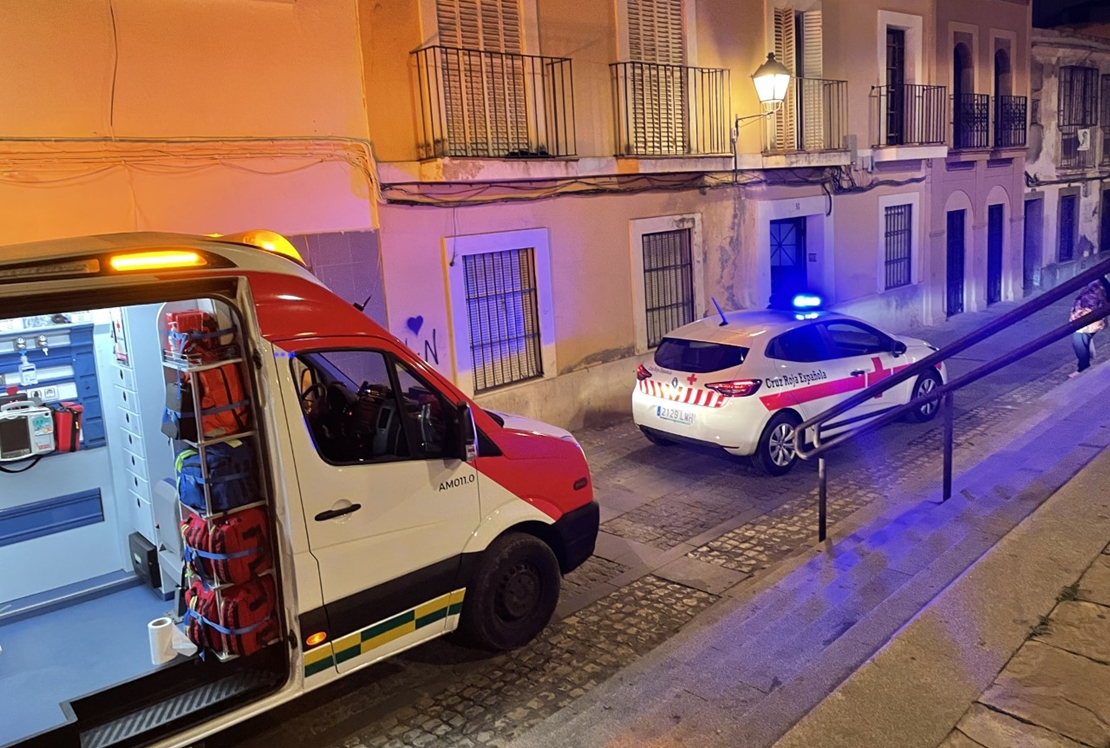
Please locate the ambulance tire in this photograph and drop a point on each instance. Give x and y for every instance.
(513, 593)
(925, 384)
(769, 455)
(656, 439)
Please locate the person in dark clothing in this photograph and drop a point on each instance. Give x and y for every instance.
(1094, 295)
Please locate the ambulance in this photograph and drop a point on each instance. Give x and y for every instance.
(222, 486)
(743, 381)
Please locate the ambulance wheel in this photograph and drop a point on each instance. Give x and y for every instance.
(924, 385)
(775, 454)
(513, 593)
(656, 439)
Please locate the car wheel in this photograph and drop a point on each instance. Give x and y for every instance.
(924, 385)
(775, 454)
(656, 438)
(513, 593)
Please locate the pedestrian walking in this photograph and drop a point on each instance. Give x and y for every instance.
(1094, 295)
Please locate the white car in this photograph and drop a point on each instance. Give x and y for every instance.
(743, 380)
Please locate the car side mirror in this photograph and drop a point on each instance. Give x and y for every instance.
(467, 447)
(899, 348)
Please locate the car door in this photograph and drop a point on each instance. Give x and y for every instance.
(868, 356)
(807, 378)
(387, 504)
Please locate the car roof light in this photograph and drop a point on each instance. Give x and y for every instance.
(807, 301)
(162, 259)
(271, 241)
(806, 315)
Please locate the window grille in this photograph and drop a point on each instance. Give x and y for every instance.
(898, 245)
(1104, 118)
(668, 283)
(1078, 96)
(1066, 246)
(503, 313)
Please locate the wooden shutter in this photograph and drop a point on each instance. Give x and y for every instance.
(785, 52)
(484, 94)
(658, 107)
(814, 137)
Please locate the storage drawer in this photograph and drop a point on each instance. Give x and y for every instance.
(129, 399)
(125, 378)
(131, 421)
(138, 485)
(136, 464)
(134, 443)
(142, 515)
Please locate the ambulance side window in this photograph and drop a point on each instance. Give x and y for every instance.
(425, 412)
(802, 344)
(350, 406)
(852, 339)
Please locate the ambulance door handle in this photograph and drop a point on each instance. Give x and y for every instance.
(858, 372)
(333, 513)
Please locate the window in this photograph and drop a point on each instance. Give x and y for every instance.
(658, 91)
(365, 406)
(668, 282)
(503, 316)
(898, 238)
(1066, 245)
(799, 46)
(854, 339)
(802, 345)
(1078, 96)
(1104, 118)
(698, 356)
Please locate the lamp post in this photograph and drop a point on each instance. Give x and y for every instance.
(771, 80)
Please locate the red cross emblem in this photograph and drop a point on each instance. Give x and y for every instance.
(691, 379)
(879, 374)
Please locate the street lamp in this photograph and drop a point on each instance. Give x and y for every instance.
(771, 81)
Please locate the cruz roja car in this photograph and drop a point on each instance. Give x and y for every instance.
(744, 380)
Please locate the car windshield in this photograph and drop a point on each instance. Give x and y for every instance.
(698, 357)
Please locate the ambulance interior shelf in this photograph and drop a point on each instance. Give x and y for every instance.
(228, 586)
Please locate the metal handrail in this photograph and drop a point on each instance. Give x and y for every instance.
(813, 425)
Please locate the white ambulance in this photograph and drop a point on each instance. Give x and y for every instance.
(743, 380)
(222, 486)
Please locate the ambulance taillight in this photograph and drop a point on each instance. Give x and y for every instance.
(736, 388)
(642, 373)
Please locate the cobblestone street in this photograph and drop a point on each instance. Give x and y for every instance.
(681, 527)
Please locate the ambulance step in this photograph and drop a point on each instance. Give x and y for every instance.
(177, 707)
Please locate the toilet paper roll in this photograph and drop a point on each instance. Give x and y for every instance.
(161, 631)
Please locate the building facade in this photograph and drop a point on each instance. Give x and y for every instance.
(530, 192)
(1067, 203)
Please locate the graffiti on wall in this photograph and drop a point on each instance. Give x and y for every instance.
(430, 348)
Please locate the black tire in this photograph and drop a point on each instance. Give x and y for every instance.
(513, 593)
(925, 412)
(775, 453)
(656, 439)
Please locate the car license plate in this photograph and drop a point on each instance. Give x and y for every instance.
(674, 414)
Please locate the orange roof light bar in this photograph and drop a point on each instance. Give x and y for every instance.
(271, 241)
(156, 260)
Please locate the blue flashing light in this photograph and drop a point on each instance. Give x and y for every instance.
(806, 315)
(807, 301)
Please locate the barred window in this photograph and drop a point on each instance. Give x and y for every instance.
(1066, 245)
(503, 314)
(668, 283)
(1078, 96)
(898, 237)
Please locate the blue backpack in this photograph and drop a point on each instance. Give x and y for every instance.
(230, 481)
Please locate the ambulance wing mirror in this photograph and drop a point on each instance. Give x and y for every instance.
(898, 348)
(467, 435)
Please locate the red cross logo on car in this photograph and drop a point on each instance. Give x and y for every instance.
(691, 379)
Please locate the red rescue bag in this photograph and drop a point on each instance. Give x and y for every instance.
(237, 620)
(229, 550)
(67, 426)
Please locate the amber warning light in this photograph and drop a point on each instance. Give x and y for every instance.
(317, 638)
(159, 260)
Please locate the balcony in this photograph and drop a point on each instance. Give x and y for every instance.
(1009, 121)
(908, 115)
(971, 118)
(477, 104)
(813, 118)
(671, 110)
(1072, 139)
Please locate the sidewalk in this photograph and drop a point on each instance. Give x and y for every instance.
(757, 663)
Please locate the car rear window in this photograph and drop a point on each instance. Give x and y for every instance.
(698, 356)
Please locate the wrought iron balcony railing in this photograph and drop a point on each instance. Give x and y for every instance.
(814, 117)
(910, 114)
(971, 118)
(493, 104)
(671, 110)
(1009, 121)
(1076, 148)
